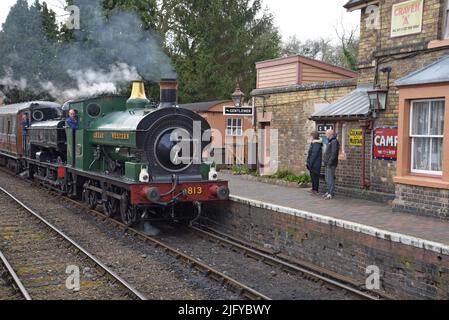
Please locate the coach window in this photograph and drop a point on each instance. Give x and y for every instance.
(427, 134)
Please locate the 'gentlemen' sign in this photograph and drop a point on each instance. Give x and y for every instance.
(233, 111)
(407, 18)
(385, 144)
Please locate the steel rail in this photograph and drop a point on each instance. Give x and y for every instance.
(236, 286)
(242, 289)
(18, 284)
(132, 292)
(272, 260)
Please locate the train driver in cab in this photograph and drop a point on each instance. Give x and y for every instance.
(72, 120)
(25, 124)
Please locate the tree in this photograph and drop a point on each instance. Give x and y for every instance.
(215, 44)
(343, 54)
(26, 55)
(146, 9)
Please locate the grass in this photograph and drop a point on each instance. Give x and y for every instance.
(281, 175)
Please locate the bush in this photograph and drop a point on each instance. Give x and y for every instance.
(241, 170)
(284, 174)
(290, 177)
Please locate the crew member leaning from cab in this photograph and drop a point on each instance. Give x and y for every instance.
(25, 124)
(72, 121)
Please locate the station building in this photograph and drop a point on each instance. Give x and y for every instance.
(403, 61)
(228, 135)
(391, 121)
(288, 91)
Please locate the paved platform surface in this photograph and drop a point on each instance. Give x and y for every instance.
(363, 212)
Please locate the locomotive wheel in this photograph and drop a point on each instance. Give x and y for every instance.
(111, 207)
(128, 212)
(129, 216)
(92, 199)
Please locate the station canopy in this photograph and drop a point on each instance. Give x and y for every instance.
(436, 72)
(355, 105)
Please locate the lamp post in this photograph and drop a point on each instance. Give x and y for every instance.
(378, 97)
(238, 97)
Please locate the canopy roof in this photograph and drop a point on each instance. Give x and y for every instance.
(434, 73)
(354, 105)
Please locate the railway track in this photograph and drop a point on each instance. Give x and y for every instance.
(11, 288)
(241, 289)
(234, 285)
(39, 257)
(302, 269)
(293, 267)
(248, 250)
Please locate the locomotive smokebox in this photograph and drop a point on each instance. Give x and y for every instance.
(138, 99)
(169, 93)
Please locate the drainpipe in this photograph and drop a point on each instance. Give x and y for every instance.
(365, 125)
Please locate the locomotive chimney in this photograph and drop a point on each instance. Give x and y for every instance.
(138, 99)
(169, 93)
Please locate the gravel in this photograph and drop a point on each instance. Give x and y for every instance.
(151, 271)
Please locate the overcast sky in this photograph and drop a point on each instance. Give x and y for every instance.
(306, 19)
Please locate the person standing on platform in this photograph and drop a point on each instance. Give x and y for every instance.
(331, 163)
(314, 160)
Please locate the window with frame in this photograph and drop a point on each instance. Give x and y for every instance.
(234, 128)
(427, 134)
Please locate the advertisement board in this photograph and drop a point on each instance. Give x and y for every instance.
(356, 138)
(407, 18)
(385, 143)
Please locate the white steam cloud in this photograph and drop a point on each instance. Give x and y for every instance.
(92, 82)
(10, 82)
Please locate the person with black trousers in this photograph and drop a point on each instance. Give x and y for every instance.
(331, 163)
(314, 159)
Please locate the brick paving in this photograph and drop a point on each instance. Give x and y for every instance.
(354, 210)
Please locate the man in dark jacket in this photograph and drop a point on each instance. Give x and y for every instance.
(25, 124)
(331, 163)
(314, 160)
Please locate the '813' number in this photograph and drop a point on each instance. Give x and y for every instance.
(194, 191)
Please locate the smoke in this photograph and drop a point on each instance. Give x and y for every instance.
(8, 82)
(92, 82)
(106, 52)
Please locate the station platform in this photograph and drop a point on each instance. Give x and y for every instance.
(363, 216)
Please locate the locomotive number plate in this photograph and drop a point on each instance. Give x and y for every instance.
(195, 191)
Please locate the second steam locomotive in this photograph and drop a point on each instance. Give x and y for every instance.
(136, 160)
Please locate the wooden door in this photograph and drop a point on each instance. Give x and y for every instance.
(264, 149)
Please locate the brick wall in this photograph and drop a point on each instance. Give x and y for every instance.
(422, 201)
(405, 55)
(407, 272)
(291, 108)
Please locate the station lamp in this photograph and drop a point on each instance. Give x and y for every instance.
(238, 97)
(378, 99)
